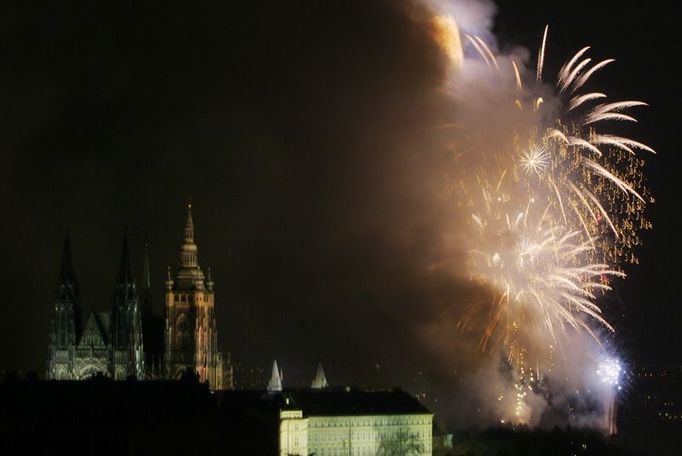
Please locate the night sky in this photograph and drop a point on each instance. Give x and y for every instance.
(296, 129)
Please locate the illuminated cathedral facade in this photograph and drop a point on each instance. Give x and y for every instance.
(130, 341)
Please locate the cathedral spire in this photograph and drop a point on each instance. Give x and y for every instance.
(67, 276)
(188, 251)
(189, 226)
(124, 275)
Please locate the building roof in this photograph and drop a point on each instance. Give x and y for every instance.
(275, 383)
(348, 401)
(328, 402)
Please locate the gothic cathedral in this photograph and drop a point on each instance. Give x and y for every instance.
(130, 341)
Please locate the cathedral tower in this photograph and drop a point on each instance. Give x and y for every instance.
(66, 318)
(126, 323)
(191, 333)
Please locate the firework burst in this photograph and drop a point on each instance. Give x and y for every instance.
(609, 372)
(556, 208)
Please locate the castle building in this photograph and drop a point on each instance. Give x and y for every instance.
(336, 421)
(130, 341)
(325, 420)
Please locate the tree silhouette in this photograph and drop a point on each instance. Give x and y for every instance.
(403, 443)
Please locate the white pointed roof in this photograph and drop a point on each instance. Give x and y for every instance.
(275, 383)
(320, 381)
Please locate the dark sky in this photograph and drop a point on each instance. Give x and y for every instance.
(296, 127)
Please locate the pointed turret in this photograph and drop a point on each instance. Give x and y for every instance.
(320, 381)
(275, 383)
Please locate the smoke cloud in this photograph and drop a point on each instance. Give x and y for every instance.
(473, 17)
(484, 120)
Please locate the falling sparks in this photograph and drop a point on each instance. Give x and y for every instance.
(609, 372)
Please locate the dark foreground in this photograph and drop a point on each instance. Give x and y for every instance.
(102, 417)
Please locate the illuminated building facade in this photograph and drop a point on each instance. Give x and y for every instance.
(130, 341)
(191, 336)
(352, 422)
